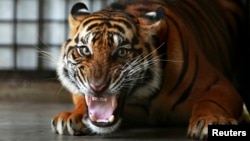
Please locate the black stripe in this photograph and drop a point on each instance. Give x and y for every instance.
(188, 90)
(86, 22)
(148, 76)
(105, 22)
(143, 10)
(125, 22)
(72, 54)
(209, 27)
(84, 40)
(161, 50)
(119, 20)
(215, 81)
(66, 74)
(67, 42)
(81, 77)
(119, 28)
(135, 40)
(97, 36)
(92, 26)
(185, 54)
(69, 49)
(77, 39)
(147, 47)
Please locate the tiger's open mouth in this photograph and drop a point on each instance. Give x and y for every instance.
(104, 111)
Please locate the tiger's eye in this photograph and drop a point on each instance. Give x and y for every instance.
(122, 52)
(83, 51)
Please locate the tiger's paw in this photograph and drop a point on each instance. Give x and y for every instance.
(198, 126)
(69, 123)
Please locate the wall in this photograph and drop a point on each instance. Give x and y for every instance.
(31, 31)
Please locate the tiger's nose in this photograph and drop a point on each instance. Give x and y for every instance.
(98, 88)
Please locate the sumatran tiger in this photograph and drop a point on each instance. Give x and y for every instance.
(151, 62)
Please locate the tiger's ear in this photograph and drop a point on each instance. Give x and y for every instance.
(153, 22)
(151, 17)
(78, 13)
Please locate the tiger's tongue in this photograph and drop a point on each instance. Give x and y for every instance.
(101, 109)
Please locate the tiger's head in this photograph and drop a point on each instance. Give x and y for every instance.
(110, 57)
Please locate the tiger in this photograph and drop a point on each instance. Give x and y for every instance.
(151, 63)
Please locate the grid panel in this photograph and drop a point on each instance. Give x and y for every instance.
(30, 27)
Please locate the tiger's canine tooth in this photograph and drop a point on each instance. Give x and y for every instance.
(87, 99)
(92, 117)
(111, 118)
(113, 100)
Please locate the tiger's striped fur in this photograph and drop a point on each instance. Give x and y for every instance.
(151, 62)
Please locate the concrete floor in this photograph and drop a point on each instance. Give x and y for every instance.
(27, 106)
(30, 121)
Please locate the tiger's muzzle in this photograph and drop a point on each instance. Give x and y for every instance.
(104, 108)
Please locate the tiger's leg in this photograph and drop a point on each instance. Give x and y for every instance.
(220, 105)
(71, 122)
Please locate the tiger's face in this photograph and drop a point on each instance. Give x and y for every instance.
(108, 60)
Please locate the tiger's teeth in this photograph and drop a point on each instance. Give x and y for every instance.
(113, 100)
(111, 118)
(92, 117)
(94, 98)
(102, 120)
(87, 99)
(101, 99)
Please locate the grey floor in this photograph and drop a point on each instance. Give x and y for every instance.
(30, 121)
